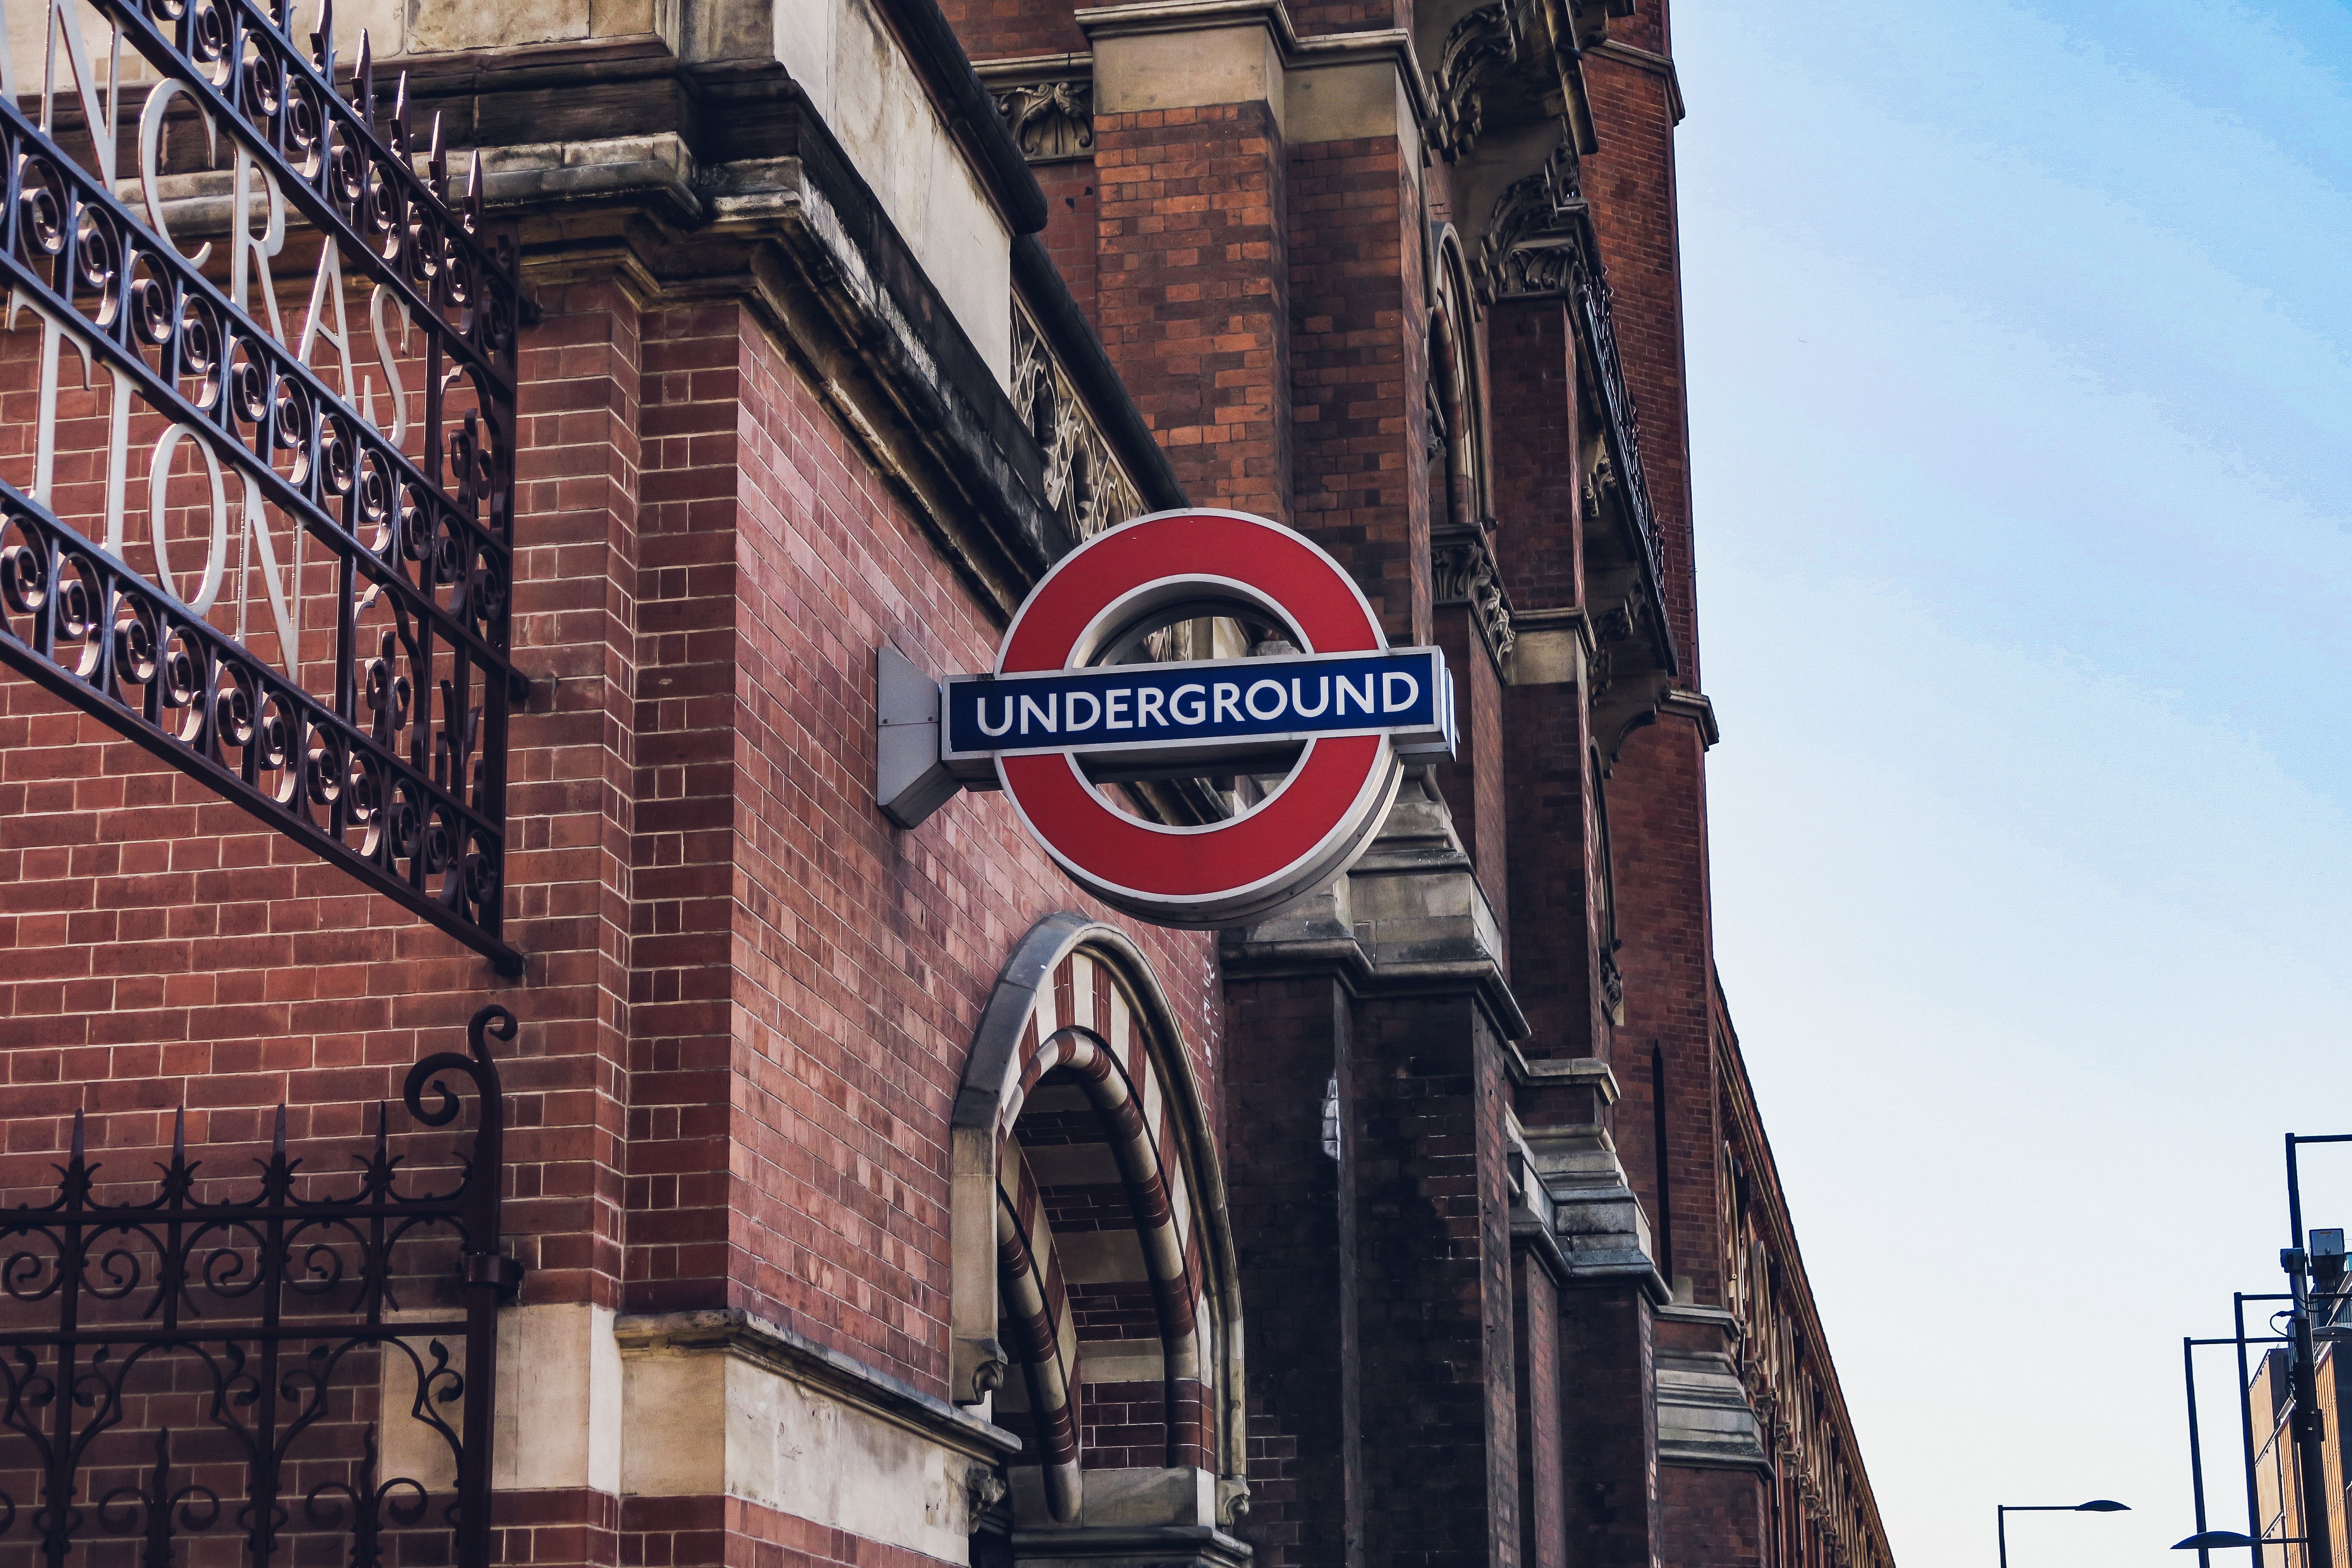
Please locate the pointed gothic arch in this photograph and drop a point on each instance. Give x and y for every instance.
(1096, 1309)
(1457, 376)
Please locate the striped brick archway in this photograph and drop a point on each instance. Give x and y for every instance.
(1094, 1307)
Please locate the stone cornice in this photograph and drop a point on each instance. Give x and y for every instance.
(1409, 918)
(1705, 1418)
(1319, 51)
(827, 272)
(1695, 707)
(731, 1332)
(1578, 1072)
(803, 241)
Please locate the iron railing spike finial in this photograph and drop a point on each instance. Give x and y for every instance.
(363, 83)
(436, 162)
(474, 194)
(277, 1137)
(322, 41)
(369, 204)
(79, 1144)
(179, 1134)
(401, 141)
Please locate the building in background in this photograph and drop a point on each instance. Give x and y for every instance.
(2285, 1457)
(870, 1196)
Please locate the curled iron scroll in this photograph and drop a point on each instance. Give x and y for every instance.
(492, 1020)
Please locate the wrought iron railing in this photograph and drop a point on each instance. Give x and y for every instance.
(301, 1368)
(388, 755)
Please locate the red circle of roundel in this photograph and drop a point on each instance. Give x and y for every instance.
(1230, 870)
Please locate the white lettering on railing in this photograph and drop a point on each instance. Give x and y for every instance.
(151, 161)
(54, 332)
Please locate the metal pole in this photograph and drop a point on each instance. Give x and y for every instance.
(2246, 1427)
(2196, 1453)
(2000, 1529)
(2310, 1425)
(2293, 1195)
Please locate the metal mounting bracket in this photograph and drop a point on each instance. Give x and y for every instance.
(910, 783)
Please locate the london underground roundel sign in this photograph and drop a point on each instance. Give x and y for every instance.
(1066, 706)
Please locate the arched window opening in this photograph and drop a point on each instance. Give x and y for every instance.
(1104, 1340)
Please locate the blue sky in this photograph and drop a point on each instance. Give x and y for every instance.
(2022, 365)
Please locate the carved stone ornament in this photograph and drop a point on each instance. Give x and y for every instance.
(1478, 48)
(1538, 267)
(1613, 630)
(984, 1487)
(1050, 119)
(1462, 571)
(1084, 482)
(1530, 207)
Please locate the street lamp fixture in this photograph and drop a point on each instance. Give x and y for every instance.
(2001, 1512)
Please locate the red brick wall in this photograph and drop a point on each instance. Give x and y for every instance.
(1359, 362)
(1433, 1283)
(727, 942)
(1631, 185)
(1472, 782)
(853, 958)
(1072, 223)
(1714, 1518)
(1536, 1342)
(166, 948)
(1538, 537)
(1657, 801)
(729, 1532)
(1001, 29)
(1293, 1218)
(1314, 16)
(1608, 1429)
(1193, 293)
(1657, 836)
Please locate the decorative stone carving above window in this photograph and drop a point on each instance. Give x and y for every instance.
(1628, 683)
(1462, 571)
(1084, 482)
(1541, 207)
(1612, 988)
(1050, 119)
(1549, 265)
(1478, 46)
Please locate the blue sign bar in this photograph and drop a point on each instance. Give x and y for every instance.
(1210, 708)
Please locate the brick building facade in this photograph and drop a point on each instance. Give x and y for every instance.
(878, 1199)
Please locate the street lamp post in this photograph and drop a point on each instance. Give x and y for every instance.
(2309, 1424)
(2002, 1510)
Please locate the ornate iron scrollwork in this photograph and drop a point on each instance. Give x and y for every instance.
(189, 1358)
(387, 755)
